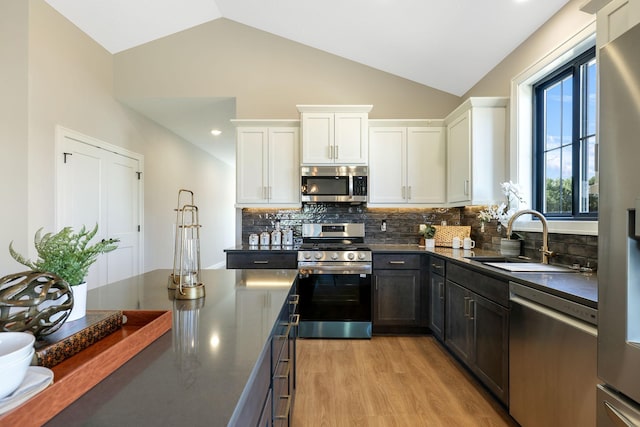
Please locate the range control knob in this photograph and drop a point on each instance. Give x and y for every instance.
(361, 255)
(306, 255)
(351, 255)
(334, 255)
(317, 254)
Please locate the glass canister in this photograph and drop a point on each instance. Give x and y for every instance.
(288, 237)
(253, 239)
(276, 237)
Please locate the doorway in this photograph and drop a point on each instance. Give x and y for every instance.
(100, 183)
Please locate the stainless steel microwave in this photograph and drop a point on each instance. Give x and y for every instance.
(334, 184)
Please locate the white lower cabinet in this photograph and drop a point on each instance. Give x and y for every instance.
(407, 165)
(267, 166)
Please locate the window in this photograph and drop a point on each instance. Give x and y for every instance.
(565, 161)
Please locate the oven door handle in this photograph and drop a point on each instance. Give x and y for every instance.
(335, 269)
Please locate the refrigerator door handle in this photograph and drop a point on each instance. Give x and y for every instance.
(617, 417)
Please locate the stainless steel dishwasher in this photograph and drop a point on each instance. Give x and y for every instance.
(552, 360)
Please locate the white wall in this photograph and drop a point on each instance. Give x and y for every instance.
(70, 83)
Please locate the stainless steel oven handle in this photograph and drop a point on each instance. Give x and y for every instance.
(334, 269)
(616, 416)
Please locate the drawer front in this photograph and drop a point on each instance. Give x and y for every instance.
(396, 261)
(489, 287)
(437, 265)
(262, 260)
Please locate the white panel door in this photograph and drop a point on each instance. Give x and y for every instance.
(317, 138)
(459, 159)
(284, 169)
(387, 172)
(251, 165)
(96, 186)
(426, 165)
(122, 217)
(351, 138)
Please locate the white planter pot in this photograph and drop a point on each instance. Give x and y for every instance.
(79, 309)
(430, 243)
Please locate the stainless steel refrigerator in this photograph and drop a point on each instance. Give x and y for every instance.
(618, 399)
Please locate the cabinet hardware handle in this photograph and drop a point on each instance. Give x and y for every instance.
(472, 309)
(466, 187)
(296, 320)
(376, 282)
(330, 152)
(337, 156)
(466, 306)
(261, 261)
(396, 262)
(409, 193)
(287, 410)
(284, 375)
(441, 290)
(404, 192)
(270, 192)
(294, 299)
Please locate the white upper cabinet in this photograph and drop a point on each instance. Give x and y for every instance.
(334, 134)
(613, 18)
(267, 164)
(476, 151)
(407, 164)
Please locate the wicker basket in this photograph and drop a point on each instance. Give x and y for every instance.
(446, 233)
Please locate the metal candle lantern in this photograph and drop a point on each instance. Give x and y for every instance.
(174, 280)
(186, 260)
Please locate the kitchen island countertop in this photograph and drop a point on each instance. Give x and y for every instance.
(194, 374)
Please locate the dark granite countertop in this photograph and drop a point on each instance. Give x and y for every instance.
(576, 286)
(195, 374)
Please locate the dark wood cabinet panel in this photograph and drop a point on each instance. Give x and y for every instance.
(477, 328)
(397, 297)
(400, 293)
(262, 259)
(437, 305)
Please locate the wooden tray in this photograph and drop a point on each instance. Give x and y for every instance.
(79, 373)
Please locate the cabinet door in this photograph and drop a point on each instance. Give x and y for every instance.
(397, 298)
(251, 167)
(491, 344)
(387, 165)
(436, 314)
(317, 138)
(351, 138)
(457, 323)
(459, 159)
(426, 165)
(284, 169)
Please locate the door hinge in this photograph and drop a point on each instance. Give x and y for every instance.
(138, 229)
(65, 156)
(139, 175)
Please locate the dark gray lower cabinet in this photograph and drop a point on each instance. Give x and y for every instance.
(437, 298)
(398, 294)
(268, 259)
(477, 330)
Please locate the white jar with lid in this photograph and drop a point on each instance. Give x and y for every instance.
(276, 237)
(264, 238)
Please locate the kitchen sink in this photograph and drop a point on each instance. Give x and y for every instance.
(518, 265)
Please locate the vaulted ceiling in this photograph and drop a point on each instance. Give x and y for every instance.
(448, 45)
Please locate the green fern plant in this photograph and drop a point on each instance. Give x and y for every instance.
(66, 254)
(429, 231)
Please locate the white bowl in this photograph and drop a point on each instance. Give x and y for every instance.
(14, 346)
(13, 373)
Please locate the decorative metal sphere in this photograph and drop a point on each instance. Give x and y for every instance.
(34, 302)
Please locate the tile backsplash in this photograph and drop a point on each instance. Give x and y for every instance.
(402, 228)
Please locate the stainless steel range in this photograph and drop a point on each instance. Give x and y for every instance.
(334, 281)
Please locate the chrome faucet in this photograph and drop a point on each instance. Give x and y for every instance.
(546, 253)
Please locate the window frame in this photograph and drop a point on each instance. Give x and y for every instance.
(572, 69)
(520, 128)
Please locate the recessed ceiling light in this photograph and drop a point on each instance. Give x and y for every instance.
(215, 132)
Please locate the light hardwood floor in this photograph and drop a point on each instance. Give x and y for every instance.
(388, 381)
